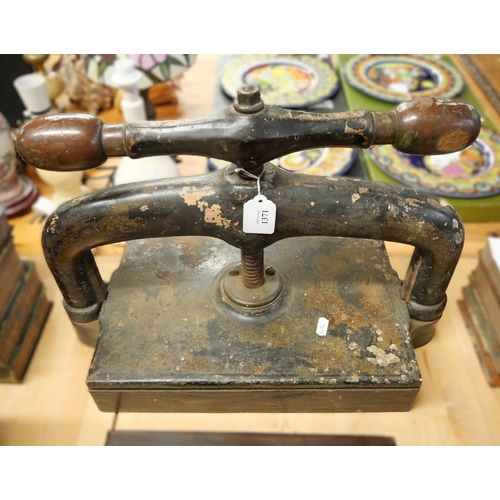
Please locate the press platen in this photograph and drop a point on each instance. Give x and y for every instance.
(204, 316)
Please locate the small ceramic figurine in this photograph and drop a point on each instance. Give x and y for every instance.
(80, 90)
(126, 77)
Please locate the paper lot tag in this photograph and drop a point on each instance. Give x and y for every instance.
(259, 216)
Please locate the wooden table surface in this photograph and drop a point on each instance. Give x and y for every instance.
(52, 406)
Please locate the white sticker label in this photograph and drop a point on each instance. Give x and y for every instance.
(322, 328)
(259, 216)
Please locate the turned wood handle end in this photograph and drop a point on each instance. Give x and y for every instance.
(62, 142)
(431, 126)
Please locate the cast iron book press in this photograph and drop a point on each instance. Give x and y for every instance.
(253, 289)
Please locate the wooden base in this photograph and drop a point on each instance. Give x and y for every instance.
(158, 438)
(170, 343)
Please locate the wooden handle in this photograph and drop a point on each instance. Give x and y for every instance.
(434, 126)
(426, 126)
(62, 142)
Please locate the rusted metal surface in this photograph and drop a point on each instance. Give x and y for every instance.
(165, 328)
(212, 205)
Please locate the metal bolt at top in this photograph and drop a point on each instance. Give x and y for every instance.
(248, 100)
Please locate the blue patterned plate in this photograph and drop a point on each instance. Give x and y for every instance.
(287, 81)
(330, 162)
(397, 78)
(471, 173)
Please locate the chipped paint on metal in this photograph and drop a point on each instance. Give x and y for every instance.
(213, 215)
(381, 358)
(192, 195)
(434, 203)
(51, 228)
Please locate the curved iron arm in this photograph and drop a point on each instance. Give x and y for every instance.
(212, 205)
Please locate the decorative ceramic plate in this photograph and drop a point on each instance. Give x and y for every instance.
(288, 81)
(397, 78)
(328, 162)
(471, 173)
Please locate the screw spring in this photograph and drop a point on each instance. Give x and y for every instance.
(252, 266)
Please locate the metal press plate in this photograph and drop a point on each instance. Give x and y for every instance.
(166, 330)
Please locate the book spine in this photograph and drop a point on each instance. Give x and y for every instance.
(487, 261)
(479, 327)
(11, 274)
(13, 325)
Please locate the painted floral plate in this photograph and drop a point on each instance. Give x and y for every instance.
(471, 173)
(328, 162)
(397, 78)
(287, 81)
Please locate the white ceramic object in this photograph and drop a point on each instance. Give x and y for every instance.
(66, 185)
(126, 77)
(145, 169)
(32, 90)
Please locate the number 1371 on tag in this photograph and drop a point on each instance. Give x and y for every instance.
(259, 216)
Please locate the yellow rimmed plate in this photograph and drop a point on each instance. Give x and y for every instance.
(328, 162)
(471, 173)
(283, 80)
(397, 78)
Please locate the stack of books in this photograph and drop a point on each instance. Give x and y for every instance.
(24, 307)
(480, 308)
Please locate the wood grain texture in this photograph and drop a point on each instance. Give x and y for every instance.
(483, 72)
(12, 325)
(11, 271)
(483, 336)
(33, 328)
(480, 308)
(157, 438)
